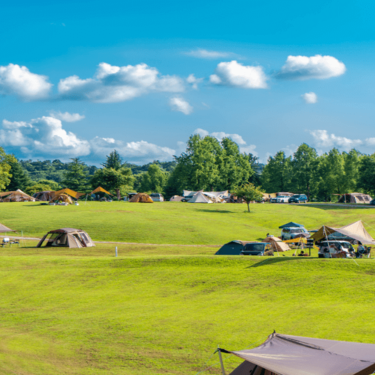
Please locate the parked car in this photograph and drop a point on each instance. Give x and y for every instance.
(298, 198)
(157, 197)
(258, 249)
(372, 202)
(294, 232)
(280, 199)
(329, 249)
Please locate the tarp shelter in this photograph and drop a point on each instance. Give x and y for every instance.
(4, 229)
(176, 198)
(291, 224)
(186, 193)
(100, 190)
(284, 194)
(233, 248)
(200, 198)
(141, 198)
(44, 195)
(16, 196)
(66, 237)
(70, 192)
(277, 244)
(61, 198)
(356, 231)
(355, 198)
(295, 355)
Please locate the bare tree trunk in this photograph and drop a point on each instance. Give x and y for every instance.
(118, 194)
(248, 206)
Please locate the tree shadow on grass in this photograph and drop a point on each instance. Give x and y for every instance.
(217, 211)
(328, 207)
(273, 260)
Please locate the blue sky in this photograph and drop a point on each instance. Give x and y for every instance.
(80, 78)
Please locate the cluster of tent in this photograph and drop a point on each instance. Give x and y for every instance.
(141, 198)
(202, 196)
(295, 355)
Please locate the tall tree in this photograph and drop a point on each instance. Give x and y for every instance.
(5, 168)
(304, 165)
(154, 179)
(277, 174)
(351, 169)
(19, 179)
(113, 180)
(114, 161)
(76, 176)
(366, 180)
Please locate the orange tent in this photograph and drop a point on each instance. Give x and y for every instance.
(100, 190)
(70, 192)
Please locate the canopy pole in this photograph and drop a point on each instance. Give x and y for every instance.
(221, 361)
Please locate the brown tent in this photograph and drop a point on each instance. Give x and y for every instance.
(176, 198)
(277, 244)
(66, 237)
(294, 355)
(355, 198)
(4, 229)
(355, 231)
(45, 196)
(99, 189)
(141, 198)
(16, 196)
(61, 198)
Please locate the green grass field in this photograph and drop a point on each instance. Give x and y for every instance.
(160, 309)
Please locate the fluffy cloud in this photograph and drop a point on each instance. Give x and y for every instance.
(18, 80)
(116, 84)
(137, 152)
(318, 67)
(206, 54)
(41, 137)
(324, 140)
(310, 97)
(45, 137)
(235, 74)
(194, 81)
(66, 116)
(180, 105)
(235, 137)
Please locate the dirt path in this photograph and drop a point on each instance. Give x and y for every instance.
(121, 243)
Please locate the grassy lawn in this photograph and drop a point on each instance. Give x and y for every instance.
(166, 314)
(158, 309)
(175, 222)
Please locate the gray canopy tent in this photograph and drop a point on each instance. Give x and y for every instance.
(66, 237)
(294, 355)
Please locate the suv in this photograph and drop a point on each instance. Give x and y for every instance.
(260, 249)
(293, 232)
(298, 198)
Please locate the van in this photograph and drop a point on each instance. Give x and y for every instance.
(157, 197)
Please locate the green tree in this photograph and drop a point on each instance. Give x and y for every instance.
(36, 188)
(20, 179)
(5, 168)
(248, 193)
(304, 165)
(113, 180)
(277, 174)
(114, 161)
(366, 171)
(351, 169)
(76, 176)
(154, 180)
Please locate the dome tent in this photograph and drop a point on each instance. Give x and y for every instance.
(141, 198)
(66, 237)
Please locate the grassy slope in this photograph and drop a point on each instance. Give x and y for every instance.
(174, 223)
(161, 315)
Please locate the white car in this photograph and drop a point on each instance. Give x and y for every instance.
(280, 199)
(293, 232)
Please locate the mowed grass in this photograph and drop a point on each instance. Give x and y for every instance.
(166, 314)
(175, 222)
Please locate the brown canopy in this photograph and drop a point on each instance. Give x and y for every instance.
(4, 229)
(70, 192)
(100, 190)
(277, 244)
(294, 355)
(356, 231)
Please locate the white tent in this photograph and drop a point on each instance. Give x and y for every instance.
(200, 198)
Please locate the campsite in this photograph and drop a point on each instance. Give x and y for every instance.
(158, 306)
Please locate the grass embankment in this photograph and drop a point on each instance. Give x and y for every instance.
(159, 315)
(173, 222)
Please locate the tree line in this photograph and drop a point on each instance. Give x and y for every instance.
(207, 164)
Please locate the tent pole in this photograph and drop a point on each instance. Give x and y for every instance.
(221, 361)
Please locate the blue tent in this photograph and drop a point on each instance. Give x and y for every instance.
(291, 224)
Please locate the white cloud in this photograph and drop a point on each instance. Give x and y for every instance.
(207, 54)
(194, 81)
(235, 137)
(18, 80)
(237, 75)
(137, 152)
(310, 97)
(324, 140)
(318, 67)
(180, 105)
(42, 137)
(116, 84)
(66, 116)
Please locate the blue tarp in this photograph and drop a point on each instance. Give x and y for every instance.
(291, 224)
